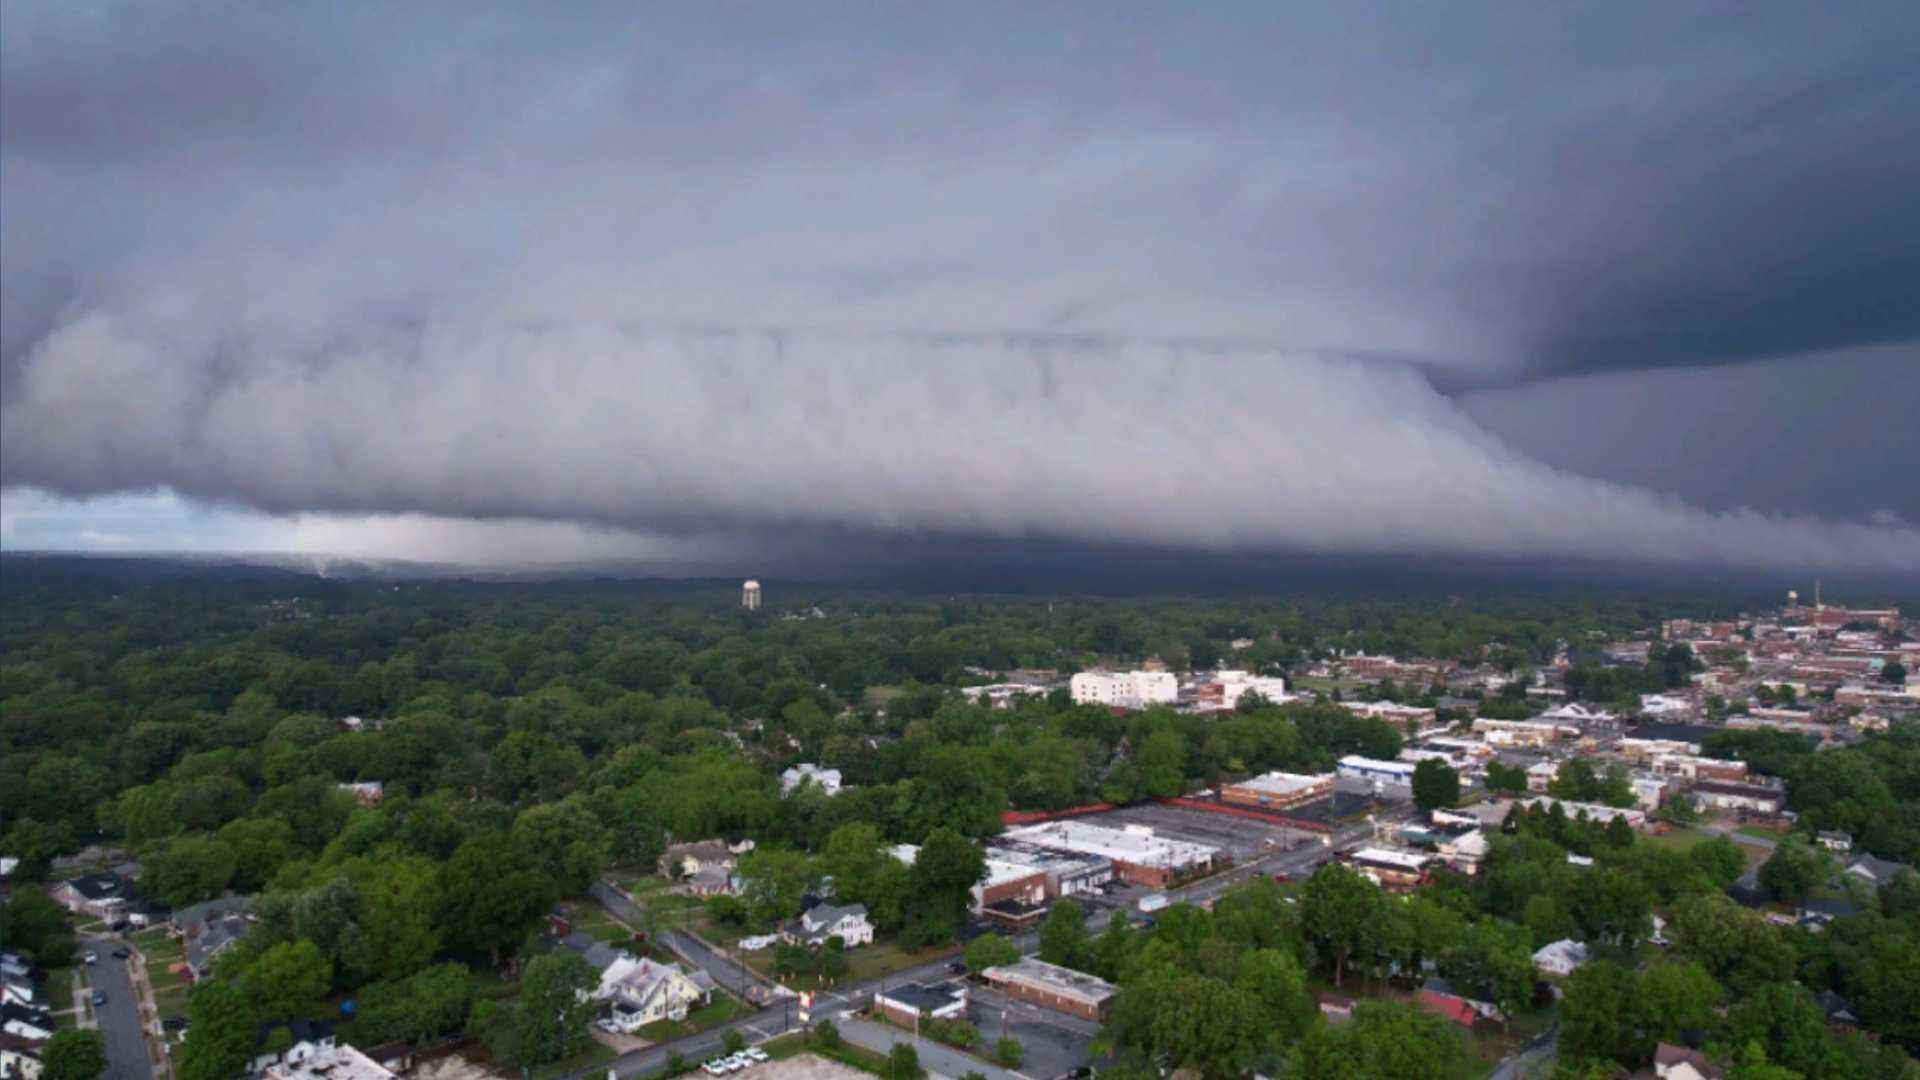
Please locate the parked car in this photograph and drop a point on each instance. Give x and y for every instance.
(91, 957)
(957, 967)
(122, 953)
(755, 1053)
(607, 1026)
(174, 1023)
(99, 997)
(714, 1068)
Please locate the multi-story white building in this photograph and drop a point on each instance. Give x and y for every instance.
(1127, 689)
(1236, 684)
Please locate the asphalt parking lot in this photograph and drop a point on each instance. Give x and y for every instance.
(1054, 1043)
(1239, 838)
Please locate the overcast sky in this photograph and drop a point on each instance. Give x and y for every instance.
(473, 283)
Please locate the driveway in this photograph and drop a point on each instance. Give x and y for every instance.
(119, 1018)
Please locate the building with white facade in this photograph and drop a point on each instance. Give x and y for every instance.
(1278, 790)
(827, 780)
(1139, 857)
(1530, 733)
(1355, 767)
(1125, 689)
(1237, 684)
(1561, 957)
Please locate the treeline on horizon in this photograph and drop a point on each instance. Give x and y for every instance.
(531, 735)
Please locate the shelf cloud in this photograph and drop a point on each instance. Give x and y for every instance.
(707, 431)
(1255, 279)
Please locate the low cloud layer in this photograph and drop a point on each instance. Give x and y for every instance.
(438, 263)
(717, 432)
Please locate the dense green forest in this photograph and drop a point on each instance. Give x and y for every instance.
(530, 735)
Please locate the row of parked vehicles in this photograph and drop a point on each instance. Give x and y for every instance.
(733, 1063)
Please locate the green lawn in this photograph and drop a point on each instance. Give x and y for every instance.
(865, 962)
(723, 1009)
(596, 1054)
(1760, 832)
(594, 920)
(1685, 839)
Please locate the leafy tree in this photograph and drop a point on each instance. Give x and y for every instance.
(1009, 1053)
(903, 1062)
(188, 869)
(567, 843)
(1795, 869)
(1384, 1041)
(733, 1041)
(990, 950)
(1063, 936)
(36, 927)
(1274, 981)
(1435, 785)
(941, 884)
(73, 1054)
(1679, 997)
(491, 894)
(220, 1039)
(287, 980)
(1493, 959)
(1603, 1015)
(260, 846)
(1894, 672)
(1739, 948)
(426, 1004)
(1509, 779)
(1342, 913)
(1785, 1020)
(550, 1020)
(772, 882)
(1720, 859)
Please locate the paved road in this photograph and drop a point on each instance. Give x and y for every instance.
(119, 1018)
(1533, 1060)
(1750, 879)
(726, 971)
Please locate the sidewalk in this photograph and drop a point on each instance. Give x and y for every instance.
(937, 1058)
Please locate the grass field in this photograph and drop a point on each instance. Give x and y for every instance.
(598, 1053)
(1683, 839)
(723, 1009)
(594, 920)
(865, 962)
(162, 953)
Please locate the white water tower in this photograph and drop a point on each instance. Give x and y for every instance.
(750, 595)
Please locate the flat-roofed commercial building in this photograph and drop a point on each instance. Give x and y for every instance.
(1278, 790)
(1128, 689)
(1391, 867)
(1355, 767)
(1139, 857)
(1067, 873)
(1523, 732)
(1051, 986)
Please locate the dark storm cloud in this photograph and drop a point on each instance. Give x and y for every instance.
(378, 258)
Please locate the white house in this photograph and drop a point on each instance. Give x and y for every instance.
(19, 1058)
(1129, 689)
(1560, 958)
(823, 921)
(827, 780)
(639, 992)
(1663, 704)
